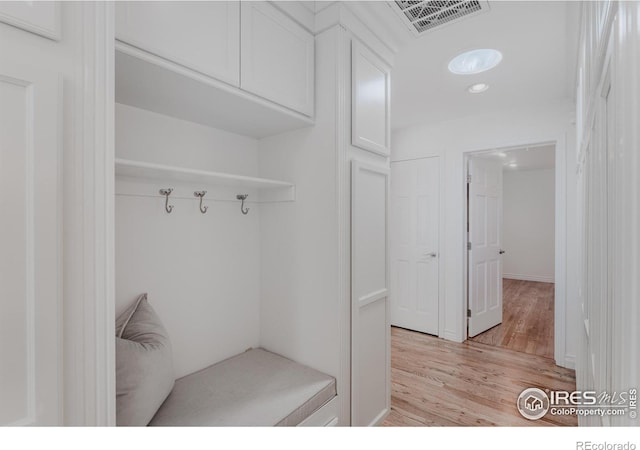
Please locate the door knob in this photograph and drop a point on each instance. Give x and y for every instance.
(431, 255)
(502, 251)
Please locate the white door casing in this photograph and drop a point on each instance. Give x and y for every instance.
(370, 326)
(485, 237)
(414, 244)
(30, 239)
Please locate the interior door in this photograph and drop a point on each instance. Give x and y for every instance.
(484, 242)
(30, 242)
(414, 244)
(370, 327)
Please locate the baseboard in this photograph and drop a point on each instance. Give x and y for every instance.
(570, 362)
(451, 336)
(540, 279)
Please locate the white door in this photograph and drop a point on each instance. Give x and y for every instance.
(30, 241)
(370, 327)
(414, 244)
(485, 239)
(277, 57)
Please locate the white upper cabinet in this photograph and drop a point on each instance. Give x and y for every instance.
(277, 57)
(370, 111)
(203, 36)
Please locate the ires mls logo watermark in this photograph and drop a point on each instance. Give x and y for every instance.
(534, 403)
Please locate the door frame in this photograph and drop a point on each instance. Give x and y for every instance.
(560, 257)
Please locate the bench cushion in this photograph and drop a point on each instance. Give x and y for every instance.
(255, 388)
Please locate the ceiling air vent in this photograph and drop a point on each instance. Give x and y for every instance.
(422, 16)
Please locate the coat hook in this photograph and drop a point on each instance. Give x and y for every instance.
(167, 192)
(201, 194)
(243, 197)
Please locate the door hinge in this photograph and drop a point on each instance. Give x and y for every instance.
(468, 313)
(468, 245)
(468, 178)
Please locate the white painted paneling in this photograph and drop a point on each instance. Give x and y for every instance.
(38, 17)
(82, 58)
(414, 244)
(277, 57)
(204, 36)
(202, 271)
(30, 284)
(370, 325)
(529, 224)
(370, 109)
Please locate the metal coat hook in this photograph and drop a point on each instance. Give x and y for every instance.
(201, 194)
(243, 197)
(167, 192)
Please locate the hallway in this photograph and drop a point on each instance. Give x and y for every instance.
(441, 383)
(527, 319)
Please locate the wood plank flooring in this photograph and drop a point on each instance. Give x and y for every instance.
(527, 319)
(440, 383)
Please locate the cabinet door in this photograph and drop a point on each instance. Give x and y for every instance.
(277, 57)
(370, 326)
(370, 81)
(30, 243)
(203, 36)
(41, 18)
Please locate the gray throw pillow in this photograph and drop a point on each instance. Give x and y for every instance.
(144, 364)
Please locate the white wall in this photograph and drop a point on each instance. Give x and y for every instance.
(202, 272)
(300, 239)
(529, 224)
(452, 140)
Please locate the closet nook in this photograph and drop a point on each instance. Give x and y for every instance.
(250, 212)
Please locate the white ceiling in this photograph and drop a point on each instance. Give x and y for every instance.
(525, 158)
(538, 41)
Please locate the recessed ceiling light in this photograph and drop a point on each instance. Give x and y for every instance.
(502, 154)
(478, 87)
(475, 61)
(513, 165)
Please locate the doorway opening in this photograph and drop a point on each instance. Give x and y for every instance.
(510, 260)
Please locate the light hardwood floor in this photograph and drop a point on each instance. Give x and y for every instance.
(527, 319)
(440, 383)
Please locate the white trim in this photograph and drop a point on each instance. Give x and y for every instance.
(372, 297)
(53, 33)
(338, 13)
(89, 216)
(380, 417)
(325, 416)
(343, 202)
(538, 278)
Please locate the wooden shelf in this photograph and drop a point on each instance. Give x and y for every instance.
(146, 170)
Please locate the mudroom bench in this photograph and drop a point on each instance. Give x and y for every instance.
(254, 388)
